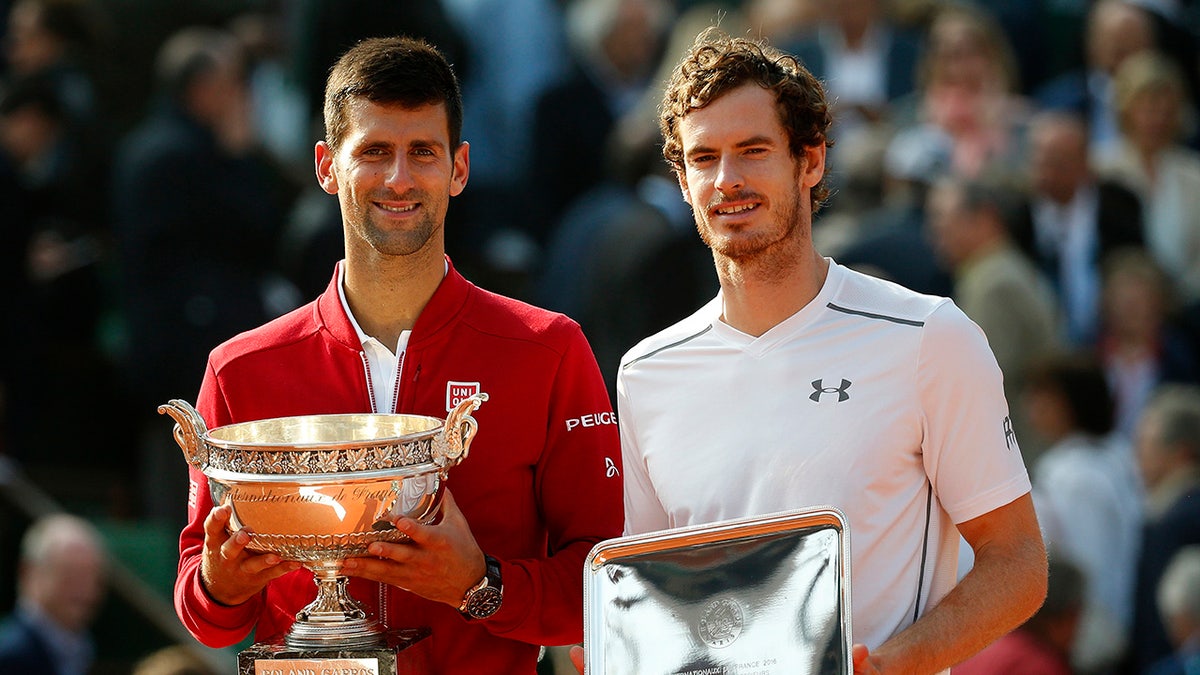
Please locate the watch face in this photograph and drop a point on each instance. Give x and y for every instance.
(484, 602)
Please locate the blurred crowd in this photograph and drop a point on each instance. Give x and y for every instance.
(1036, 160)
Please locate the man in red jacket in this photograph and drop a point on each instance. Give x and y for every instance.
(398, 329)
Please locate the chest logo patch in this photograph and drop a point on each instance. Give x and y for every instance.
(819, 389)
(457, 392)
(610, 468)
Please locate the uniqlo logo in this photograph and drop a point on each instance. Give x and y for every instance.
(457, 392)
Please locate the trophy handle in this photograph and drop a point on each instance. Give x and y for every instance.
(453, 444)
(189, 428)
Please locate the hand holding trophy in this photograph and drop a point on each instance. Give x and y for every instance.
(318, 489)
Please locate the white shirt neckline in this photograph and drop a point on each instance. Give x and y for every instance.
(384, 365)
(782, 331)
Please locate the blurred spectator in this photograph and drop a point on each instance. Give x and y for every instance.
(1176, 36)
(1139, 347)
(890, 241)
(61, 168)
(1116, 29)
(994, 284)
(62, 260)
(1179, 603)
(865, 61)
(615, 48)
(517, 49)
(1043, 644)
(197, 219)
(780, 22)
(1151, 160)
(1029, 26)
(60, 584)
(1168, 453)
(1088, 497)
(630, 232)
(56, 40)
(278, 104)
(325, 29)
(1072, 220)
(968, 106)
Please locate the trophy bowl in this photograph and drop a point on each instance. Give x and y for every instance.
(320, 488)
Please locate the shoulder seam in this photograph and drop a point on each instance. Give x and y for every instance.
(872, 315)
(666, 347)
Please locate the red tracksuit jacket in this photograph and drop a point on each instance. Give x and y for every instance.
(540, 487)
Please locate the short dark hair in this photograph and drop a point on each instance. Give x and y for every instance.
(717, 64)
(392, 70)
(191, 53)
(1080, 379)
(983, 194)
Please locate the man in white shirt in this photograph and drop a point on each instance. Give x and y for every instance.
(805, 383)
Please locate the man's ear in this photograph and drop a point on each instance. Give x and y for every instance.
(814, 165)
(683, 187)
(461, 168)
(324, 165)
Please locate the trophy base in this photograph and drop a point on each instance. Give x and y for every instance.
(406, 653)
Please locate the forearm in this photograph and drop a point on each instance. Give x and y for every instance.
(211, 623)
(1005, 587)
(543, 599)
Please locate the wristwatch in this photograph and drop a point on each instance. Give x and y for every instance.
(484, 598)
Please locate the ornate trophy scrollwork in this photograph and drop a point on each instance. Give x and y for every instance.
(321, 488)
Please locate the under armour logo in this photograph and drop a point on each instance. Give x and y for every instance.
(1010, 436)
(820, 388)
(610, 468)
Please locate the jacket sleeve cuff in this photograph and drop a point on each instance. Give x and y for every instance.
(222, 617)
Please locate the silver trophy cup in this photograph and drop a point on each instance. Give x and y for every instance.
(320, 488)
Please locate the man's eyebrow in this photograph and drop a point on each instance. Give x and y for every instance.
(387, 144)
(749, 142)
(755, 140)
(427, 143)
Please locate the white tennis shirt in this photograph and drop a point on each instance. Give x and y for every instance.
(880, 401)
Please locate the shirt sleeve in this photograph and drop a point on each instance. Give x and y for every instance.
(579, 493)
(970, 450)
(213, 624)
(643, 510)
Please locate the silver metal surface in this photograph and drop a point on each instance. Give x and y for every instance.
(757, 596)
(321, 488)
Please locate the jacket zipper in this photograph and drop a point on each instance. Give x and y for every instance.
(375, 408)
(370, 386)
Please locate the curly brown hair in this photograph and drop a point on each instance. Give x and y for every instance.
(719, 63)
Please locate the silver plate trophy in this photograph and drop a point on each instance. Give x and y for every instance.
(758, 596)
(320, 488)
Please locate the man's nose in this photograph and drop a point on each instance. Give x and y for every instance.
(729, 175)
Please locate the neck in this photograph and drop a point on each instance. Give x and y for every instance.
(855, 34)
(759, 296)
(387, 293)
